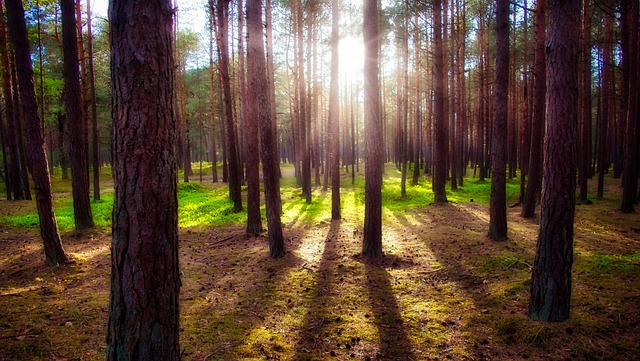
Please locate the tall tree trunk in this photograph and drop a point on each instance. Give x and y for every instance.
(551, 275)
(630, 174)
(94, 111)
(261, 112)
(222, 8)
(607, 98)
(374, 161)
(537, 124)
(14, 157)
(18, 119)
(302, 115)
(254, 221)
(75, 128)
(82, 60)
(334, 116)
(212, 98)
(441, 144)
(585, 102)
(54, 253)
(145, 275)
(498, 207)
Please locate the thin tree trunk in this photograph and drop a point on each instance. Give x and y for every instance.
(498, 206)
(14, 157)
(94, 112)
(234, 173)
(441, 143)
(585, 97)
(537, 125)
(261, 110)
(74, 119)
(372, 243)
(334, 120)
(54, 253)
(630, 175)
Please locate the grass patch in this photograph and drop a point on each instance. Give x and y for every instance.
(606, 263)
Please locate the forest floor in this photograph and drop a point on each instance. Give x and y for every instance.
(442, 291)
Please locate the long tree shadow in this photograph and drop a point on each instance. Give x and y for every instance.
(394, 342)
(311, 337)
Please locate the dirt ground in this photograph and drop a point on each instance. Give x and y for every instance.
(442, 291)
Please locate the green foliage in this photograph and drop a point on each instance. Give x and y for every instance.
(200, 206)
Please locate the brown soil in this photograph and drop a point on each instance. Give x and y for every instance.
(443, 291)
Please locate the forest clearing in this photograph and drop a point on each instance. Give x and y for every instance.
(443, 290)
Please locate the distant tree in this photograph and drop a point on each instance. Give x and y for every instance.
(74, 122)
(14, 155)
(374, 156)
(551, 276)
(95, 155)
(260, 112)
(54, 253)
(585, 103)
(498, 207)
(145, 276)
(254, 221)
(334, 116)
(537, 125)
(441, 143)
(630, 174)
(222, 10)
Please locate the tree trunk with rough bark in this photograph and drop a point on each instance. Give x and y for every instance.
(74, 119)
(145, 276)
(498, 206)
(551, 275)
(334, 120)
(261, 113)
(441, 142)
(54, 253)
(372, 243)
(537, 124)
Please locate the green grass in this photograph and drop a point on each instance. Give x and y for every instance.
(605, 263)
(207, 204)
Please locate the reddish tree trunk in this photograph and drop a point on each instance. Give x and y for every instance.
(551, 275)
(53, 250)
(537, 123)
(334, 121)
(441, 144)
(74, 119)
(14, 157)
(261, 114)
(498, 207)
(145, 276)
(372, 243)
(585, 102)
(222, 8)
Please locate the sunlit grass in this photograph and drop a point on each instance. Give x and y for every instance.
(208, 204)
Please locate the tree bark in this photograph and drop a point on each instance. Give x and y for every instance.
(54, 253)
(585, 102)
(222, 8)
(630, 173)
(261, 113)
(498, 206)
(441, 142)
(537, 124)
(551, 276)
(74, 119)
(334, 120)
(145, 276)
(372, 243)
(94, 111)
(14, 157)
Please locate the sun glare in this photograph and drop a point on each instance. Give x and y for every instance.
(351, 56)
